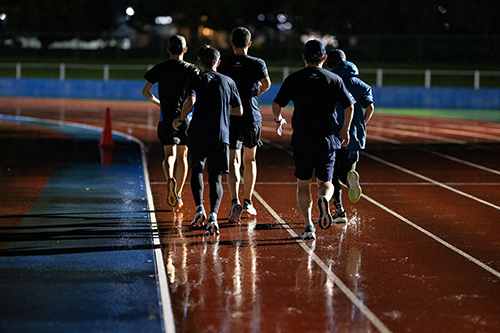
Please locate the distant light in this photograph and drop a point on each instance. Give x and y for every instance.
(261, 17)
(204, 18)
(281, 18)
(163, 20)
(442, 10)
(3, 16)
(130, 11)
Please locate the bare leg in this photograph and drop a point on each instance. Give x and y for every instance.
(325, 189)
(182, 167)
(169, 161)
(250, 173)
(233, 178)
(304, 200)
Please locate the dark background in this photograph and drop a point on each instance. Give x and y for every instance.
(449, 32)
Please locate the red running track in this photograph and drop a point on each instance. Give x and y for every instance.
(421, 251)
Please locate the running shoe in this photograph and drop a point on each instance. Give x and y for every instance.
(340, 216)
(235, 214)
(325, 218)
(308, 233)
(179, 203)
(248, 208)
(172, 196)
(212, 226)
(353, 186)
(199, 218)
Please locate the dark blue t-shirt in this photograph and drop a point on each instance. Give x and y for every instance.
(246, 71)
(314, 92)
(171, 76)
(214, 92)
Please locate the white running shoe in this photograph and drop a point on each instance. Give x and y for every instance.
(249, 209)
(212, 226)
(325, 218)
(235, 213)
(308, 233)
(199, 218)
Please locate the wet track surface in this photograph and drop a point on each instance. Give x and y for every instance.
(420, 252)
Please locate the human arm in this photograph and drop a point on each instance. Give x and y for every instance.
(344, 132)
(278, 119)
(186, 108)
(264, 85)
(146, 92)
(236, 111)
(369, 112)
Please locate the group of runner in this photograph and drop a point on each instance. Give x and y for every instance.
(216, 115)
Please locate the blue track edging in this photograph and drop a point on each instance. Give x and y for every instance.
(385, 97)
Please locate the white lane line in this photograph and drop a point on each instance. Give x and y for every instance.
(372, 318)
(430, 180)
(454, 159)
(419, 135)
(436, 238)
(449, 131)
(165, 302)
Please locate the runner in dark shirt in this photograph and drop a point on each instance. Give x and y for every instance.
(214, 97)
(316, 131)
(172, 76)
(252, 79)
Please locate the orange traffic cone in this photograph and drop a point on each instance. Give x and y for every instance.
(107, 136)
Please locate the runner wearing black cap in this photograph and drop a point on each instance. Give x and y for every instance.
(316, 131)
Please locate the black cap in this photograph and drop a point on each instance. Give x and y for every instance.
(314, 50)
(334, 57)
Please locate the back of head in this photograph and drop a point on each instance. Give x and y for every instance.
(208, 56)
(334, 57)
(177, 44)
(314, 51)
(241, 37)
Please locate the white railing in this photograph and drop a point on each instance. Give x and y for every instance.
(284, 71)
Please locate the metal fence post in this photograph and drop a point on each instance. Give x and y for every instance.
(286, 72)
(106, 72)
(62, 71)
(18, 71)
(476, 79)
(427, 78)
(380, 74)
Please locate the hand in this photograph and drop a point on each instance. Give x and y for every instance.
(176, 123)
(279, 126)
(344, 135)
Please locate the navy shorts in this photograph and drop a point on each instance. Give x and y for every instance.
(169, 136)
(248, 136)
(216, 154)
(308, 161)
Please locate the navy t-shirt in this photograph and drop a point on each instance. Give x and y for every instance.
(171, 76)
(246, 71)
(314, 92)
(214, 92)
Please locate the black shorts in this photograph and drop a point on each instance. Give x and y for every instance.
(169, 136)
(216, 154)
(308, 161)
(248, 136)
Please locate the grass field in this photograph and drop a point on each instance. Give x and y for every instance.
(485, 115)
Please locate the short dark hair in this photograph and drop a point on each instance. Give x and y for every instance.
(208, 56)
(334, 57)
(177, 44)
(241, 36)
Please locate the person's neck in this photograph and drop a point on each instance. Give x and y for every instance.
(240, 50)
(309, 65)
(177, 57)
